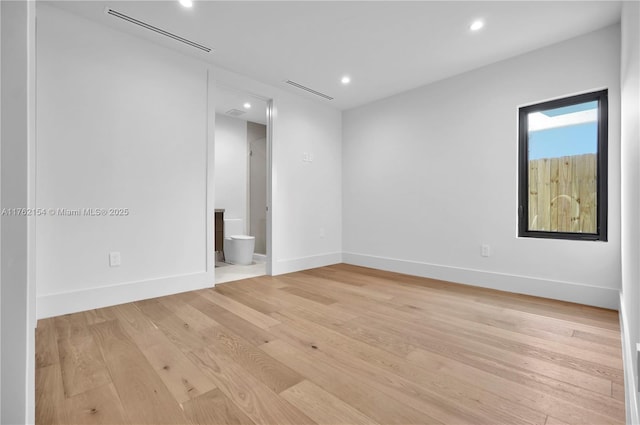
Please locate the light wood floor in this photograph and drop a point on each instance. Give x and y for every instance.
(335, 345)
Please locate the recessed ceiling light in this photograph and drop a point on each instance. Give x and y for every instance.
(476, 25)
(345, 80)
(186, 3)
(247, 105)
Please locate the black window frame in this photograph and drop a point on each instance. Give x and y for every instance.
(601, 97)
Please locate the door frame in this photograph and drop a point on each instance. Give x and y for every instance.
(269, 157)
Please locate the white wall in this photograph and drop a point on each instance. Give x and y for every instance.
(630, 140)
(431, 174)
(17, 332)
(122, 123)
(306, 197)
(231, 167)
(108, 137)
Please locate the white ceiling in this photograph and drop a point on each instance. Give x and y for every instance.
(385, 46)
(228, 98)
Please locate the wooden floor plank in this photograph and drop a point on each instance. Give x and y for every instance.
(300, 292)
(323, 407)
(502, 364)
(184, 334)
(183, 379)
(70, 325)
(509, 320)
(198, 330)
(131, 316)
(257, 401)
(258, 304)
(596, 338)
(594, 316)
(544, 401)
(338, 276)
(46, 344)
(154, 309)
(214, 408)
(254, 317)
(144, 396)
(98, 315)
(340, 344)
(343, 284)
(194, 318)
(431, 338)
(285, 300)
(51, 406)
(251, 333)
(82, 365)
(344, 292)
(266, 369)
(475, 323)
(553, 421)
(97, 406)
(348, 387)
(447, 400)
(617, 391)
(318, 316)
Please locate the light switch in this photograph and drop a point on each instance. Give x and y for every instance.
(114, 259)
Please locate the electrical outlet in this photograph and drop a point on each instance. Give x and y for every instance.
(322, 233)
(114, 259)
(486, 250)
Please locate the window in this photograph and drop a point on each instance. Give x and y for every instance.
(563, 168)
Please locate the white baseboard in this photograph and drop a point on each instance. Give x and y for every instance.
(259, 257)
(564, 291)
(305, 263)
(50, 305)
(628, 354)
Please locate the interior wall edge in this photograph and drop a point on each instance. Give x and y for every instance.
(558, 290)
(305, 263)
(631, 402)
(50, 305)
(18, 334)
(32, 319)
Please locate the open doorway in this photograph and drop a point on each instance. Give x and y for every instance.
(241, 176)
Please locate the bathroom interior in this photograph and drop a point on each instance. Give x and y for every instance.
(240, 185)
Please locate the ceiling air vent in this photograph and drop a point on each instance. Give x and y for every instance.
(300, 86)
(160, 31)
(234, 112)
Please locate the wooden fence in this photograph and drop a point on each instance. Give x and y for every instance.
(562, 194)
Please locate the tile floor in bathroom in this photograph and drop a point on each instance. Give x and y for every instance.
(229, 272)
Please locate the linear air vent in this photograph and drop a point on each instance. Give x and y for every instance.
(300, 86)
(235, 112)
(156, 29)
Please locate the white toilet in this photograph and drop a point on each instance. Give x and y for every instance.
(238, 248)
